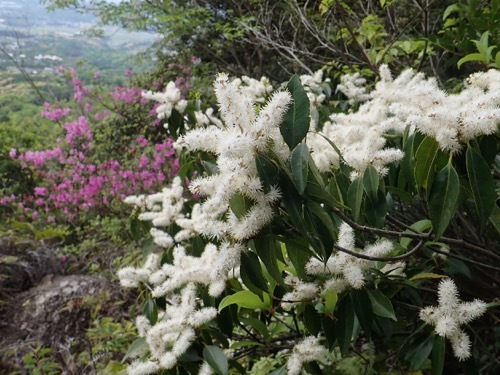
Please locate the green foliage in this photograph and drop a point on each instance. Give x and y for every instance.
(39, 361)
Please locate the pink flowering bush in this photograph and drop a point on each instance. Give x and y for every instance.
(79, 177)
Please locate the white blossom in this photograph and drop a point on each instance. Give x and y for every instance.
(307, 350)
(169, 99)
(347, 270)
(450, 314)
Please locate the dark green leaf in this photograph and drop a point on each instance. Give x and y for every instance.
(424, 158)
(381, 305)
(296, 121)
(267, 249)
(419, 351)
(481, 183)
(437, 357)
(299, 254)
(371, 181)
(300, 166)
(216, 358)
(251, 274)
(443, 199)
(268, 171)
(329, 330)
(312, 319)
(292, 202)
(363, 309)
(345, 325)
(355, 197)
(376, 210)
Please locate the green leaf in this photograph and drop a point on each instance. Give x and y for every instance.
(443, 199)
(419, 351)
(151, 310)
(244, 344)
(258, 325)
(280, 371)
(437, 356)
(311, 319)
(363, 309)
(355, 197)
(268, 171)
(296, 121)
(299, 254)
(424, 159)
(426, 275)
(251, 274)
(345, 325)
(331, 297)
(376, 210)
(137, 347)
(300, 166)
(371, 181)
(381, 305)
(247, 300)
(216, 358)
(267, 249)
(292, 202)
(481, 182)
(472, 57)
(240, 204)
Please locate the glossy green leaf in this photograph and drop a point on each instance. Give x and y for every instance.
(381, 305)
(292, 202)
(296, 120)
(136, 348)
(481, 182)
(267, 249)
(268, 171)
(363, 309)
(151, 310)
(246, 299)
(299, 254)
(371, 181)
(376, 209)
(437, 356)
(216, 358)
(355, 197)
(300, 166)
(471, 57)
(424, 158)
(311, 319)
(345, 325)
(443, 199)
(251, 274)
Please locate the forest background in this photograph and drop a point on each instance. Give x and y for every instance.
(94, 106)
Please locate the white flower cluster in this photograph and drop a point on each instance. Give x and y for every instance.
(307, 350)
(452, 120)
(301, 292)
(314, 86)
(171, 98)
(163, 209)
(174, 332)
(410, 100)
(353, 87)
(235, 145)
(259, 90)
(347, 270)
(450, 314)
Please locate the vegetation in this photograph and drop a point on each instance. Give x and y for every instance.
(345, 222)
